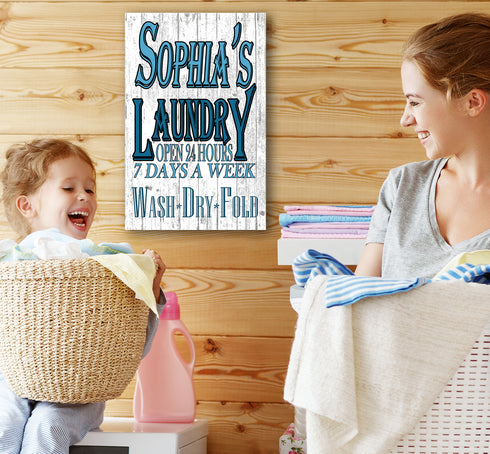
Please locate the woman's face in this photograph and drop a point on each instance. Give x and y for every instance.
(439, 124)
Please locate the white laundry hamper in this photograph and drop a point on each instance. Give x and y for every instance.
(458, 422)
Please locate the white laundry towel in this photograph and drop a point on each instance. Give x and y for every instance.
(368, 372)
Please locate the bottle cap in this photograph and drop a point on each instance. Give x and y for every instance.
(171, 310)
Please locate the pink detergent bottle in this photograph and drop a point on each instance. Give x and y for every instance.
(164, 387)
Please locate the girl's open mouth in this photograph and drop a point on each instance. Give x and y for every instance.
(78, 218)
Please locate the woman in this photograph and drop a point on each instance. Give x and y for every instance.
(431, 211)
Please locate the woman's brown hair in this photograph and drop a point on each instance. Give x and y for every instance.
(453, 54)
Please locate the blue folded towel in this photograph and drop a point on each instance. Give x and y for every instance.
(287, 219)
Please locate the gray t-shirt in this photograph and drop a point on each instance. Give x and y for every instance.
(405, 221)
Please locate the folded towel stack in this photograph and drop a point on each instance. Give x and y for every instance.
(326, 221)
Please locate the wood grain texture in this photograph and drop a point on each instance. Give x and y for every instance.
(234, 302)
(304, 33)
(62, 101)
(330, 102)
(236, 368)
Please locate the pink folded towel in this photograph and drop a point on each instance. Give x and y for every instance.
(322, 235)
(303, 226)
(330, 210)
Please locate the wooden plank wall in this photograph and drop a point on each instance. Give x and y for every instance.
(334, 102)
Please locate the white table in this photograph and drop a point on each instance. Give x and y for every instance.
(125, 436)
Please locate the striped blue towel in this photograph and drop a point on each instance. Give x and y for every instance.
(345, 288)
(312, 263)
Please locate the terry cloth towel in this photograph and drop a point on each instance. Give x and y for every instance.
(367, 373)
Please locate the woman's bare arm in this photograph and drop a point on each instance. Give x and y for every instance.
(370, 261)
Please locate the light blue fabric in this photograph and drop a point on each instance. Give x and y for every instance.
(287, 219)
(343, 290)
(30, 427)
(24, 250)
(343, 287)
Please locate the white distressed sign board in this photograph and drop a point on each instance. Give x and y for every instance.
(195, 132)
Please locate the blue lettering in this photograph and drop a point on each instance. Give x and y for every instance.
(148, 55)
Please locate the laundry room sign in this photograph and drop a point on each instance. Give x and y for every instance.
(195, 128)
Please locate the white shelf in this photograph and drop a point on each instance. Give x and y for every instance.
(347, 251)
(144, 438)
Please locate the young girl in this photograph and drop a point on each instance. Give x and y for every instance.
(429, 212)
(51, 184)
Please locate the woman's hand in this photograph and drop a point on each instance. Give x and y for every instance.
(160, 270)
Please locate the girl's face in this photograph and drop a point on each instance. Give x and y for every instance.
(66, 200)
(437, 122)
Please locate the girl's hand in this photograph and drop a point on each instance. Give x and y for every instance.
(160, 270)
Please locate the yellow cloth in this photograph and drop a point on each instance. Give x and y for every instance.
(137, 271)
(475, 258)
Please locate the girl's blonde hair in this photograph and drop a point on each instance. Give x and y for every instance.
(26, 169)
(453, 54)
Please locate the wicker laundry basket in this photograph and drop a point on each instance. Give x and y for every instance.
(70, 330)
